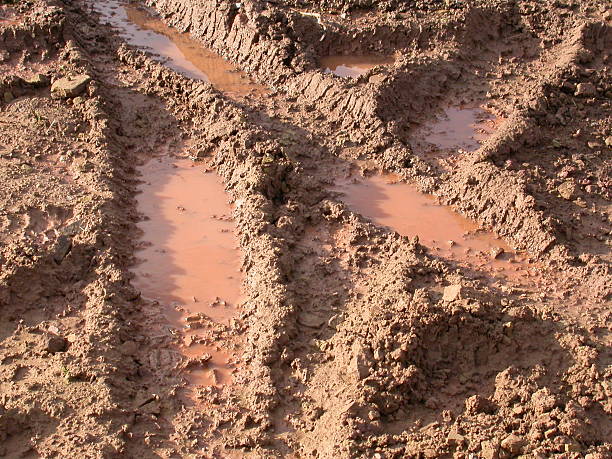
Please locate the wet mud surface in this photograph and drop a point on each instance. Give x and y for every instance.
(235, 230)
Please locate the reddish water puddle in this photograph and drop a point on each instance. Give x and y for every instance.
(218, 370)
(401, 207)
(353, 66)
(175, 49)
(463, 128)
(458, 130)
(190, 263)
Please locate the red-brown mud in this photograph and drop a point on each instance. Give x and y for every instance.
(353, 338)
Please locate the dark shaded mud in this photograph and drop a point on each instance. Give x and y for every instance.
(353, 338)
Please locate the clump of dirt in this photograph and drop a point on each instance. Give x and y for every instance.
(350, 340)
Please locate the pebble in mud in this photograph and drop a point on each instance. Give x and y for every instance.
(452, 292)
(70, 86)
(54, 344)
(513, 443)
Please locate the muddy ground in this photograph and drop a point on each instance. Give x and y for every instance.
(351, 339)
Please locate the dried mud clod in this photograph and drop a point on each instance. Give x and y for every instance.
(352, 340)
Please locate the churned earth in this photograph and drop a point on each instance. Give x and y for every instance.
(305, 229)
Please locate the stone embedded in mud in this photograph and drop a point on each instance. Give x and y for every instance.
(309, 319)
(567, 190)
(38, 81)
(70, 86)
(358, 365)
(454, 438)
(513, 444)
(452, 292)
(489, 450)
(62, 248)
(55, 344)
(585, 89)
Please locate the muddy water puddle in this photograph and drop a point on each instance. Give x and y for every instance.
(458, 130)
(177, 50)
(401, 207)
(353, 66)
(190, 263)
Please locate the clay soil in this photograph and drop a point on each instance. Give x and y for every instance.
(351, 338)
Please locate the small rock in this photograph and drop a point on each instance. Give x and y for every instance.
(550, 433)
(358, 365)
(452, 292)
(55, 344)
(581, 203)
(214, 377)
(70, 86)
(62, 248)
(608, 141)
(193, 318)
(8, 96)
(489, 450)
(513, 443)
(585, 89)
(432, 403)
(496, 252)
(593, 145)
(567, 190)
(572, 447)
(454, 438)
(311, 320)
(39, 80)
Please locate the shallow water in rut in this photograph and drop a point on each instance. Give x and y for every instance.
(190, 263)
(460, 128)
(177, 50)
(352, 66)
(401, 207)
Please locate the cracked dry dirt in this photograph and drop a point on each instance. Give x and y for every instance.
(213, 244)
